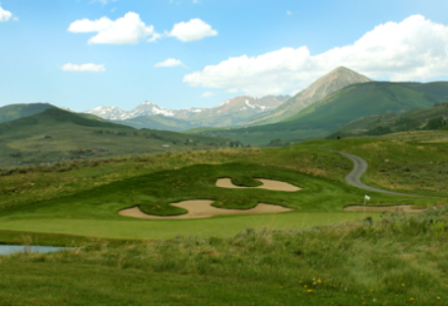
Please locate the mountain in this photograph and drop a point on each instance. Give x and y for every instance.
(434, 117)
(324, 86)
(57, 135)
(340, 108)
(16, 111)
(236, 111)
(158, 122)
(230, 113)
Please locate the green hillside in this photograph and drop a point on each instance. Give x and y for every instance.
(16, 111)
(57, 135)
(158, 122)
(340, 108)
(416, 119)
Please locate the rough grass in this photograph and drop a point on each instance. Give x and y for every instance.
(395, 260)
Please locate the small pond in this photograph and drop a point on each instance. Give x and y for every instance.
(8, 249)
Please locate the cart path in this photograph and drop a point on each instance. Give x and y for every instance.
(359, 168)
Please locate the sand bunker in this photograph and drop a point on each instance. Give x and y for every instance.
(397, 208)
(268, 184)
(203, 209)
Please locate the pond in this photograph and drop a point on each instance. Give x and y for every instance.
(8, 249)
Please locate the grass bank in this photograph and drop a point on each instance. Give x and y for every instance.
(393, 260)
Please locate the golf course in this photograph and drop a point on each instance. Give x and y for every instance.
(291, 225)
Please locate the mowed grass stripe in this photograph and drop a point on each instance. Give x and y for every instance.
(222, 226)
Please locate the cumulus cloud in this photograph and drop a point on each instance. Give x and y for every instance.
(4, 15)
(207, 94)
(170, 62)
(413, 49)
(128, 29)
(193, 30)
(87, 67)
(232, 90)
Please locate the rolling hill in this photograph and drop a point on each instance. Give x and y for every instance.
(340, 108)
(57, 135)
(16, 111)
(431, 118)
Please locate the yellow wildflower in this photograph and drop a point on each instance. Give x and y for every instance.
(403, 284)
(421, 275)
(371, 290)
(438, 297)
(320, 281)
(305, 286)
(411, 299)
(314, 279)
(300, 282)
(309, 291)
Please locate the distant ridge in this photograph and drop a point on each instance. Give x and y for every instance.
(324, 86)
(232, 112)
(16, 111)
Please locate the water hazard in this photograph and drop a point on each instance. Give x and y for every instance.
(8, 249)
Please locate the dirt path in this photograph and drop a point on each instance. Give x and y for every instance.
(268, 184)
(396, 208)
(203, 209)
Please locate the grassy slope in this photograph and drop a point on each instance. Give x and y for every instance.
(398, 260)
(86, 199)
(70, 132)
(342, 107)
(430, 136)
(411, 120)
(158, 122)
(16, 111)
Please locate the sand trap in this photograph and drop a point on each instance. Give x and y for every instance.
(203, 209)
(397, 208)
(268, 184)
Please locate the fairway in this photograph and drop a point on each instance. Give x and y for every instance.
(221, 226)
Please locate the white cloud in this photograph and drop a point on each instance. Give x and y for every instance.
(196, 2)
(4, 15)
(170, 62)
(87, 67)
(288, 12)
(125, 30)
(413, 49)
(207, 94)
(154, 37)
(232, 90)
(194, 29)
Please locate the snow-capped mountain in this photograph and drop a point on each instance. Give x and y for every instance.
(238, 108)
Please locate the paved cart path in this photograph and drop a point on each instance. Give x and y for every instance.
(360, 167)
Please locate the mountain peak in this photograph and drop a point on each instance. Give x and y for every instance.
(343, 71)
(333, 81)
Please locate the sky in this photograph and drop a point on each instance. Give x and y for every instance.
(82, 54)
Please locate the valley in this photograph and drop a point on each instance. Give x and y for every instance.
(138, 204)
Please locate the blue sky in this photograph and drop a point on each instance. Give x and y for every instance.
(82, 53)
